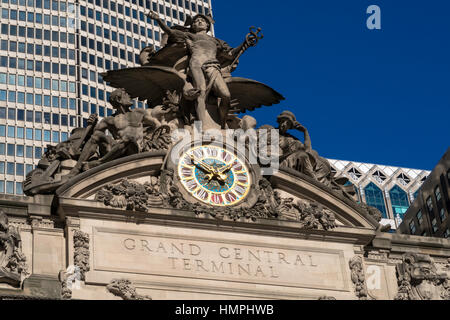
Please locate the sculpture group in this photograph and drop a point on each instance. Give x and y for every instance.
(189, 79)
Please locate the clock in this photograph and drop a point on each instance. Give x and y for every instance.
(214, 175)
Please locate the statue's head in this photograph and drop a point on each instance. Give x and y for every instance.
(120, 100)
(201, 22)
(286, 121)
(146, 54)
(248, 122)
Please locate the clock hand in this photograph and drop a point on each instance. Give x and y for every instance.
(210, 168)
(226, 168)
(201, 165)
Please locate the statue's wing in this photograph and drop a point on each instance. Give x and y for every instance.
(146, 83)
(169, 55)
(251, 94)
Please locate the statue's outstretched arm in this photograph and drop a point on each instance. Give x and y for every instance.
(153, 15)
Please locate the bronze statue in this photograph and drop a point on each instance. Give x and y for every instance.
(198, 66)
(297, 155)
(127, 129)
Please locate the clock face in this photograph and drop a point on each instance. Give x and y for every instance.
(214, 175)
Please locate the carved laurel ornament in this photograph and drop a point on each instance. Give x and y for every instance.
(418, 279)
(358, 277)
(81, 252)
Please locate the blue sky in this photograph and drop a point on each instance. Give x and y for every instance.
(378, 96)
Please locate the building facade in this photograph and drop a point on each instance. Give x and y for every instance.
(51, 55)
(142, 214)
(389, 189)
(428, 215)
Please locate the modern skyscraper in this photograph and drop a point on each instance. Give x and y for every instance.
(51, 55)
(429, 214)
(390, 189)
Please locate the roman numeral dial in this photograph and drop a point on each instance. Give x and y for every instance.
(214, 175)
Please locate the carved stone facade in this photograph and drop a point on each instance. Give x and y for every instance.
(131, 195)
(124, 289)
(182, 216)
(418, 279)
(81, 252)
(161, 192)
(358, 277)
(13, 263)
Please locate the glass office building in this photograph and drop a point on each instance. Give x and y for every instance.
(51, 55)
(389, 189)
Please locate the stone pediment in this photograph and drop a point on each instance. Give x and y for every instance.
(123, 178)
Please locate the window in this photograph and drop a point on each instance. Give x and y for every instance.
(20, 133)
(19, 169)
(37, 134)
(38, 116)
(11, 114)
(29, 152)
(64, 120)
(442, 214)
(437, 193)
(374, 198)
(55, 137)
(29, 133)
(37, 152)
(46, 101)
(10, 187)
(55, 119)
(55, 102)
(10, 168)
(354, 174)
(419, 217)
(19, 150)
(21, 115)
(412, 227)
(11, 132)
(28, 168)
(434, 225)
(447, 233)
(430, 205)
(399, 201)
(10, 150)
